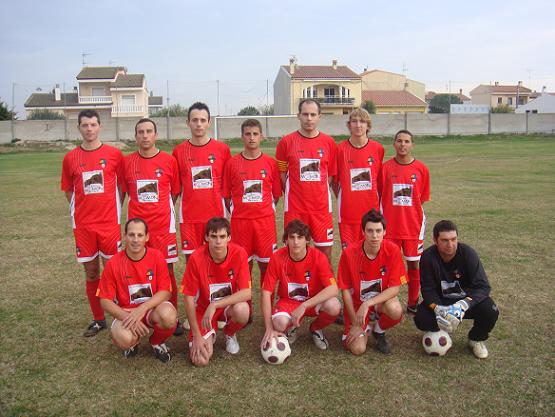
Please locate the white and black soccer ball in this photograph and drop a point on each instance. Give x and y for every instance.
(437, 343)
(278, 351)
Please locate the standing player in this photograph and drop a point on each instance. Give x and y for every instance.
(201, 162)
(152, 182)
(370, 275)
(306, 287)
(405, 186)
(252, 183)
(90, 176)
(307, 163)
(359, 162)
(137, 279)
(218, 274)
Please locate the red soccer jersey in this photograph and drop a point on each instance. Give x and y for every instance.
(252, 184)
(309, 162)
(298, 280)
(357, 175)
(212, 281)
(365, 277)
(131, 282)
(403, 190)
(201, 169)
(150, 183)
(93, 178)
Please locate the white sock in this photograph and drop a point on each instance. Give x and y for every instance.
(377, 328)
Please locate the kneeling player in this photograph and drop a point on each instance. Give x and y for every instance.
(219, 274)
(306, 288)
(138, 280)
(370, 275)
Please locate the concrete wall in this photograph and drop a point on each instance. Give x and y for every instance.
(382, 124)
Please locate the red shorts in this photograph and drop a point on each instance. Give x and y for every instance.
(286, 306)
(165, 242)
(370, 316)
(94, 240)
(219, 315)
(192, 236)
(256, 236)
(350, 234)
(412, 248)
(320, 225)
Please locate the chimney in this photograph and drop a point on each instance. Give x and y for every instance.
(497, 83)
(520, 83)
(74, 88)
(543, 89)
(334, 64)
(460, 91)
(292, 66)
(57, 93)
(365, 69)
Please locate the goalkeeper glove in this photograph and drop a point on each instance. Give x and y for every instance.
(449, 317)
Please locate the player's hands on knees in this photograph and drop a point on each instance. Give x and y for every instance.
(354, 333)
(208, 315)
(140, 329)
(298, 314)
(268, 336)
(199, 349)
(360, 316)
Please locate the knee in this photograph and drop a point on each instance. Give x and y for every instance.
(425, 319)
(200, 362)
(332, 307)
(167, 316)
(240, 312)
(123, 338)
(393, 308)
(281, 323)
(357, 348)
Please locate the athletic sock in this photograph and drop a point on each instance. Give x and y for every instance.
(323, 320)
(160, 334)
(385, 322)
(414, 286)
(173, 299)
(231, 327)
(94, 301)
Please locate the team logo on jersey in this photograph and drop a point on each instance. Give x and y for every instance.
(263, 173)
(329, 233)
(103, 163)
(231, 274)
(420, 248)
(78, 250)
(370, 160)
(320, 152)
(274, 247)
(211, 158)
(383, 270)
(457, 274)
(413, 177)
(149, 274)
(185, 243)
(159, 172)
(343, 245)
(307, 275)
(119, 245)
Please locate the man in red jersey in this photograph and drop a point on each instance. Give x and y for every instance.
(370, 275)
(201, 162)
(137, 280)
(359, 163)
(405, 186)
(306, 287)
(152, 182)
(252, 184)
(217, 275)
(307, 163)
(90, 177)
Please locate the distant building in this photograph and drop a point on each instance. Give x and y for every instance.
(155, 104)
(496, 95)
(337, 88)
(544, 103)
(379, 80)
(464, 99)
(111, 91)
(394, 101)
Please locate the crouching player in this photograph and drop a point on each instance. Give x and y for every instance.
(370, 274)
(137, 280)
(306, 288)
(218, 273)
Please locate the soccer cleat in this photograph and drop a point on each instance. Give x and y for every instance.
(320, 340)
(292, 333)
(231, 344)
(94, 328)
(340, 319)
(381, 343)
(411, 309)
(131, 352)
(162, 353)
(179, 330)
(479, 349)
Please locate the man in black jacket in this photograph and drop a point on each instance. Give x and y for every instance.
(454, 286)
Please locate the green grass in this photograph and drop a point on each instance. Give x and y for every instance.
(501, 192)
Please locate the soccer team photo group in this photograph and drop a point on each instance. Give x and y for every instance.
(218, 211)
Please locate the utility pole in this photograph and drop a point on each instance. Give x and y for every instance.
(13, 112)
(84, 55)
(168, 120)
(218, 94)
(65, 114)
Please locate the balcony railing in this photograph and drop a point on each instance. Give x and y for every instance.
(95, 99)
(335, 100)
(130, 108)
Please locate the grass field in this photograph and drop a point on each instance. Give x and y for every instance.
(500, 190)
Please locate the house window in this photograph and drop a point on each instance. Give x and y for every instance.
(510, 101)
(329, 92)
(128, 100)
(345, 92)
(309, 92)
(499, 100)
(98, 91)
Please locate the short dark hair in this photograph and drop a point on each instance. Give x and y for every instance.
(198, 106)
(373, 216)
(90, 113)
(215, 224)
(309, 100)
(298, 227)
(405, 131)
(135, 220)
(251, 123)
(144, 120)
(444, 226)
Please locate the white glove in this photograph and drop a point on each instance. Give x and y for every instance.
(449, 317)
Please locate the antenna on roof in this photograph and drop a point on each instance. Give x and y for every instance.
(405, 70)
(110, 62)
(84, 55)
(293, 58)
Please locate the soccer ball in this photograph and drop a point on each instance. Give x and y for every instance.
(437, 343)
(278, 351)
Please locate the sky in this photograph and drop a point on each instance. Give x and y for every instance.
(189, 47)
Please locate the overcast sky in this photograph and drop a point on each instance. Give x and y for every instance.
(189, 45)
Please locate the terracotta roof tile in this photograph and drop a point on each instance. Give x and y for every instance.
(391, 98)
(322, 71)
